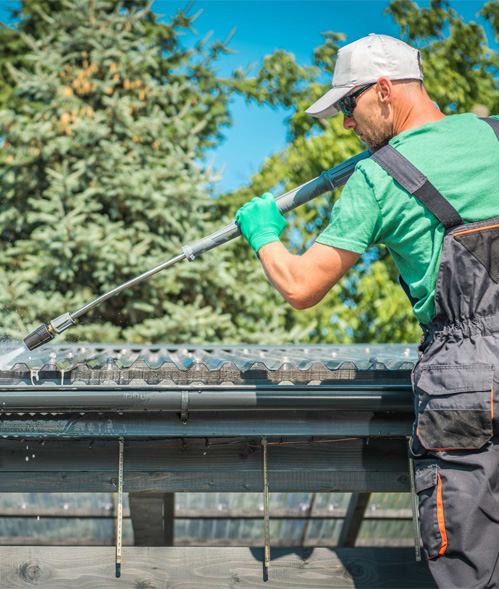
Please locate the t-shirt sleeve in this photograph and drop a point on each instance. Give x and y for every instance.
(355, 222)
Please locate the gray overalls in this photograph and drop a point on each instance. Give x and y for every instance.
(455, 441)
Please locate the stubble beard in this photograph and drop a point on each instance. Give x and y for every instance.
(376, 140)
(374, 136)
(375, 146)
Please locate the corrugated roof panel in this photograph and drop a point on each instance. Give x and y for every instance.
(90, 363)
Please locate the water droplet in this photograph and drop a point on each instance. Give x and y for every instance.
(27, 459)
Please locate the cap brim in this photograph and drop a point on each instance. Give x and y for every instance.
(324, 107)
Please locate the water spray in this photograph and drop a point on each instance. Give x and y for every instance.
(327, 181)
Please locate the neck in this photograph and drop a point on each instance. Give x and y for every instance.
(415, 113)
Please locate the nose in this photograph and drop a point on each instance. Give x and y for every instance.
(348, 122)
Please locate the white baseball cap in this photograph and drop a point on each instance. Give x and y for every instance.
(365, 61)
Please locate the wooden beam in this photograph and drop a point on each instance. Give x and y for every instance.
(293, 543)
(315, 479)
(282, 513)
(353, 519)
(210, 542)
(60, 513)
(211, 568)
(233, 464)
(291, 514)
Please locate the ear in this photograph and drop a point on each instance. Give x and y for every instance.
(384, 89)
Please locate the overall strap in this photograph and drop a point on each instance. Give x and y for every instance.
(417, 184)
(494, 123)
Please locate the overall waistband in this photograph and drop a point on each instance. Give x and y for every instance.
(480, 325)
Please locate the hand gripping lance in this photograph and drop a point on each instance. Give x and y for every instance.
(334, 178)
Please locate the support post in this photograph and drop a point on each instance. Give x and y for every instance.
(119, 518)
(169, 518)
(353, 519)
(148, 514)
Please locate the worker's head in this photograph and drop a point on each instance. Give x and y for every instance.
(375, 79)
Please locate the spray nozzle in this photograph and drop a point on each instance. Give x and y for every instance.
(37, 338)
(46, 333)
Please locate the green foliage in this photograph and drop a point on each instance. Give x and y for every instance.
(15, 44)
(460, 69)
(100, 182)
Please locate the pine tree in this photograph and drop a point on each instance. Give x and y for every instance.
(101, 180)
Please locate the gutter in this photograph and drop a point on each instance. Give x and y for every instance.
(341, 397)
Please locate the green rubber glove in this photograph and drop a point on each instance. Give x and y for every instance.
(260, 221)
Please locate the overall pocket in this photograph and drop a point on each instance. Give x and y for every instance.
(455, 409)
(431, 511)
(483, 244)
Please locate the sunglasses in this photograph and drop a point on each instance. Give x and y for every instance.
(348, 103)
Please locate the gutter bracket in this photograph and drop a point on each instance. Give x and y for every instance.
(266, 514)
(184, 407)
(119, 517)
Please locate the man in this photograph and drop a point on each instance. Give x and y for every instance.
(430, 193)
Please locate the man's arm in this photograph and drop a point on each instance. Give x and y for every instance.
(304, 280)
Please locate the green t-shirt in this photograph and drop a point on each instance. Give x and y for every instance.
(460, 156)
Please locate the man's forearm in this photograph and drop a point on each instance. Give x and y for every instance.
(287, 273)
(304, 280)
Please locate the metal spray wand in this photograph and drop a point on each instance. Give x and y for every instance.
(327, 181)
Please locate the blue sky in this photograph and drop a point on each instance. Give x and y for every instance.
(262, 27)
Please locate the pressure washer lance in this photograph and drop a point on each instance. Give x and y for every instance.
(327, 181)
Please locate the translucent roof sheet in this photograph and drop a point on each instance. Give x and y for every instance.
(98, 357)
(132, 365)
